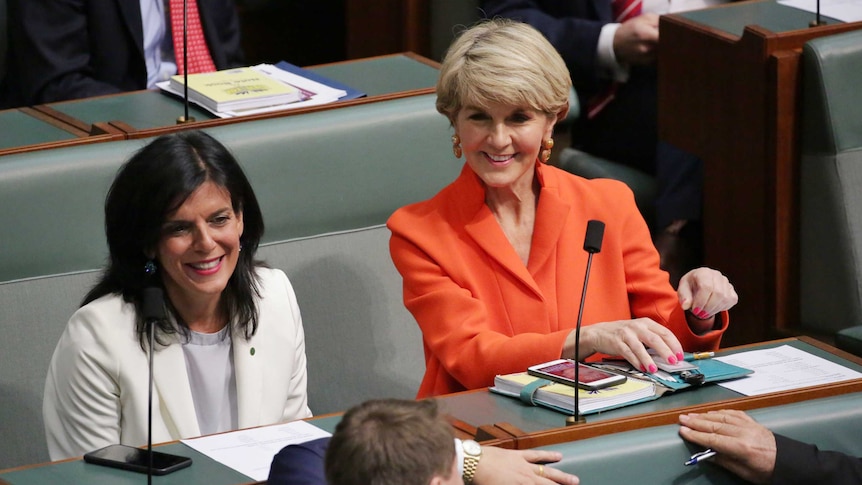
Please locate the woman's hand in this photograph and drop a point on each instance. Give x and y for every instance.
(704, 292)
(627, 339)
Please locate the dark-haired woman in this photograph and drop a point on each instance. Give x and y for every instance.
(182, 216)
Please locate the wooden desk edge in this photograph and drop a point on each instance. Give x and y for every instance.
(152, 132)
(118, 130)
(660, 418)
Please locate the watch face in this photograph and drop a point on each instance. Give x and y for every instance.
(472, 448)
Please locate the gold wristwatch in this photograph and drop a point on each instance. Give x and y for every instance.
(472, 454)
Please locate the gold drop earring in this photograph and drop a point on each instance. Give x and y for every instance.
(545, 155)
(456, 146)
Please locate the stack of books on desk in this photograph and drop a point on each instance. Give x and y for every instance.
(236, 90)
(561, 396)
(259, 89)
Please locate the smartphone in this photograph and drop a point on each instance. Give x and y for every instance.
(135, 459)
(563, 371)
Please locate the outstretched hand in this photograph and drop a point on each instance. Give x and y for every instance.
(501, 466)
(705, 292)
(744, 446)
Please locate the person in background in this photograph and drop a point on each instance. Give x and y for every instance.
(69, 49)
(492, 265)
(610, 48)
(756, 454)
(181, 216)
(400, 442)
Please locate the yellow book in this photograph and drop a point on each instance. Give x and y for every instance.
(561, 396)
(236, 89)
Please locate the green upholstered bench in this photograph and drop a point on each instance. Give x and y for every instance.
(656, 455)
(326, 182)
(830, 174)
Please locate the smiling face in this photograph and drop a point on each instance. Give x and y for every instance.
(199, 247)
(502, 142)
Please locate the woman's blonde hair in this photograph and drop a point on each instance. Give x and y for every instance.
(502, 61)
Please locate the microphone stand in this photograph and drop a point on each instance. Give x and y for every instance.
(592, 244)
(153, 310)
(817, 22)
(185, 118)
(150, 324)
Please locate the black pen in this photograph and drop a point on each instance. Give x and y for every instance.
(699, 457)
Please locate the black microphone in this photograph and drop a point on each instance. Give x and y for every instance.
(153, 309)
(592, 245)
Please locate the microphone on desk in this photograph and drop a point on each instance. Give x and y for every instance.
(185, 118)
(153, 309)
(592, 245)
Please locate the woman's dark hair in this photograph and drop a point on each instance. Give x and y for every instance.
(148, 187)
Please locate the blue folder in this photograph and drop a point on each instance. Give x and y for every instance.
(351, 92)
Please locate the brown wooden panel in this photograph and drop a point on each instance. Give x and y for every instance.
(733, 101)
(376, 27)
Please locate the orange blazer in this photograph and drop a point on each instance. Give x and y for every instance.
(483, 313)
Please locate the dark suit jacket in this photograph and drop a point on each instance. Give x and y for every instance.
(572, 26)
(802, 463)
(300, 464)
(78, 48)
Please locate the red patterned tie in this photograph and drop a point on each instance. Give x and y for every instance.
(199, 57)
(621, 10)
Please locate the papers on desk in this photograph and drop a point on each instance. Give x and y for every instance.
(844, 10)
(783, 368)
(314, 93)
(250, 451)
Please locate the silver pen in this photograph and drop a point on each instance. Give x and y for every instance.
(699, 457)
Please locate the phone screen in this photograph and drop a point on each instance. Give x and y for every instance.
(588, 377)
(136, 459)
(586, 374)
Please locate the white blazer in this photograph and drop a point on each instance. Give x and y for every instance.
(97, 386)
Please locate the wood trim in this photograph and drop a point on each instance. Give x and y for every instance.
(203, 124)
(57, 119)
(71, 121)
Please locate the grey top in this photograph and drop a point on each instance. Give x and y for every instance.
(209, 363)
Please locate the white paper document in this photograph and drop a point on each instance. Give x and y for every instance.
(783, 368)
(844, 10)
(250, 451)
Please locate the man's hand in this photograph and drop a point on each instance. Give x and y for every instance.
(744, 447)
(636, 40)
(501, 466)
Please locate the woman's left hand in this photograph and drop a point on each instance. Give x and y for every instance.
(705, 292)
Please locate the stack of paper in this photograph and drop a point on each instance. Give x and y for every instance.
(308, 92)
(236, 89)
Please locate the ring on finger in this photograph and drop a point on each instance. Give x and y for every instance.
(541, 471)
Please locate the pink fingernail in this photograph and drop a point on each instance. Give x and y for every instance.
(671, 360)
(643, 369)
(652, 369)
(703, 315)
(696, 311)
(680, 356)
